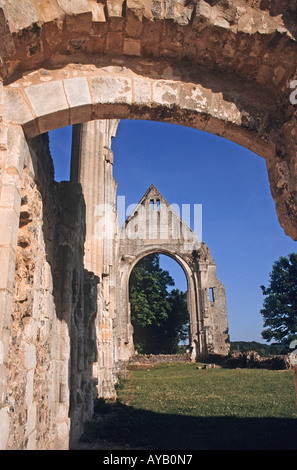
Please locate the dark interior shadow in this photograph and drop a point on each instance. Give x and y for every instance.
(127, 427)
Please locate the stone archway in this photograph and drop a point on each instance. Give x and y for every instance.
(155, 227)
(224, 67)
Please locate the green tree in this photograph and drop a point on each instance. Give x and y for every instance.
(159, 317)
(280, 305)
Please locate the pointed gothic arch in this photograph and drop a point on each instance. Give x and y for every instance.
(162, 230)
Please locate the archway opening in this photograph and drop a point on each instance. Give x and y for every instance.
(240, 226)
(158, 306)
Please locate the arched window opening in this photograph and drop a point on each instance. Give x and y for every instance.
(211, 294)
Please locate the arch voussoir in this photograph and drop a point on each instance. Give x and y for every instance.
(47, 99)
(51, 99)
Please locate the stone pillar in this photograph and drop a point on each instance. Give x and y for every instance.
(92, 165)
(13, 152)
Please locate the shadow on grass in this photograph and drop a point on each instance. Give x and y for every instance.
(124, 425)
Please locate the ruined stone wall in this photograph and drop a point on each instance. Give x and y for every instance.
(52, 340)
(213, 301)
(155, 227)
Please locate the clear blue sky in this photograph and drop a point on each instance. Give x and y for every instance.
(188, 166)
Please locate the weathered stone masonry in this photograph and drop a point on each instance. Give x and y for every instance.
(223, 66)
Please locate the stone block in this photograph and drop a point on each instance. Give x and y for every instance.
(8, 257)
(47, 278)
(32, 441)
(47, 98)
(114, 42)
(30, 388)
(28, 355)
(10, 197)
(78, 96)
(3, 386)
(114, 8)
(74, 7)
(3, 17)
(62, 436)
(203, 9)
(134, 15)
(109, 89)
(15, 155)
(195, 97)
(136, 6)
(207, 366)
(98, 45)
(157, 9)
(9, 226)
(80, 22)
(225, 110)
(31, 129)
(177, 11)
(12, 101)
(4, 420)
(50, 105)
(22, 14)
(165, 93)
(132, 47)
(48, 11)
(5, 318)
(97, 9)
(1, 353)
(3, 137)
(30, 329)
(31, 418)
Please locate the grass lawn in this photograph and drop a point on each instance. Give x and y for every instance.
(180, 407)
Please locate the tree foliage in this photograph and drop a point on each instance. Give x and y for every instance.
(280, 305)
(159, 317)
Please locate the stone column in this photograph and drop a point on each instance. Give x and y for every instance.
(92, 165)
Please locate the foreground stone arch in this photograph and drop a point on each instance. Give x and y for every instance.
(161, 230)
(226, 67)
